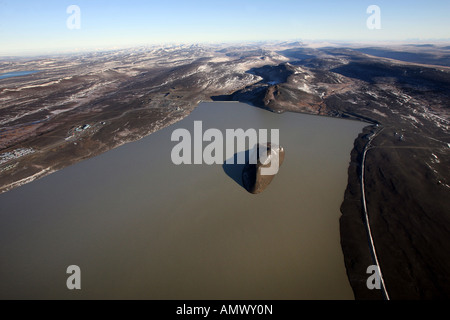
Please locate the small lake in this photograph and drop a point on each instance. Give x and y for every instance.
(140, 227)
(16, 74)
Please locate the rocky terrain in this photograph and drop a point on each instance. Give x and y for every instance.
(79, 106)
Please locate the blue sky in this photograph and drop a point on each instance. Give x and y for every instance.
(30, 26)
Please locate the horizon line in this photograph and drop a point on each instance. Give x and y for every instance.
(105, 48)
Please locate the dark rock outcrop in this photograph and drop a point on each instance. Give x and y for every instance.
(254, 178)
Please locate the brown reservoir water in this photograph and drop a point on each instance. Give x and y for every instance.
(140, 227)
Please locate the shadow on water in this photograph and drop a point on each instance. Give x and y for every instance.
(234, 171)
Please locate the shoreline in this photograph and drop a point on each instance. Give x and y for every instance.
(327, 264)
(45, 172)
(357, 254)
(353, 232)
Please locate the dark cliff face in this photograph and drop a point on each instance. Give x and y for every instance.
(409, 220)
(254, 179)
(354, 238)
